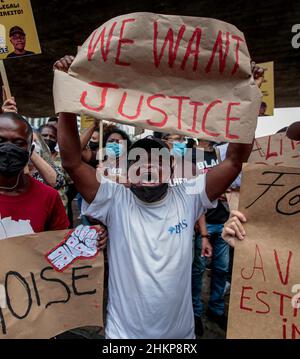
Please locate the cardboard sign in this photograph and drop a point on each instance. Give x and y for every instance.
(265, 289)
(275, 150)
(41, 302)
(267, 89)
(18, 35)
(175, 74)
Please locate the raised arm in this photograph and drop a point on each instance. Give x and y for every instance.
(47, 173)
(87, 134)
(87, 154)
(83, 175)
(221, 176)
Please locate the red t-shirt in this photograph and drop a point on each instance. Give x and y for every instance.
(41, 205)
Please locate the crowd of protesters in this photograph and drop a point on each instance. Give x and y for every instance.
(162, 231)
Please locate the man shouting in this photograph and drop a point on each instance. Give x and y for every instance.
(150, 227)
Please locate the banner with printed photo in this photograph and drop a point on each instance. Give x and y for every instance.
(267, 89)
(18, 34)
(86, 122)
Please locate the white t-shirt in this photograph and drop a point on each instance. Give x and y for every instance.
(150, 259)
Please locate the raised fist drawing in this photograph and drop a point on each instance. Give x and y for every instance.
(80, 243)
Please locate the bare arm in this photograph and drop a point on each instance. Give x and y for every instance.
(221, 176)
(202, 225)
(87, 154)
(86, 135)
(84, 139)
(206, 248)
(83, 175)
(45, 170)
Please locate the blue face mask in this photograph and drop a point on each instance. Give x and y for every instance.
(179, 149)
(114, 149)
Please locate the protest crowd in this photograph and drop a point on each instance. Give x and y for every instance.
(165, 224)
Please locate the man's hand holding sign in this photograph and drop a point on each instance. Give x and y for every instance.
(207, 90)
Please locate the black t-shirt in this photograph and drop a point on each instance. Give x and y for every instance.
(220, 214)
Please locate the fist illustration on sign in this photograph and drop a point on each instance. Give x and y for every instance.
(81, 243)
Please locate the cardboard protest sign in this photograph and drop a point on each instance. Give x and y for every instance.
(18, 35)
(275, 150)
(40, 301)
(168, 73)
(267, 89)
(265, 289)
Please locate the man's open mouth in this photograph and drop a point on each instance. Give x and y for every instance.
(149, 178)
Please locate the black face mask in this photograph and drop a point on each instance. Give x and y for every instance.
(13, 159)
(150, 194)
(93, 145)
(51, 144)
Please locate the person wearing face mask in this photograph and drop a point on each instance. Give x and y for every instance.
(26, 205)
(89, 140)
(49, 135)
(181, 174)
(40, 166)
(150, 227)
(214, 219)
(178, 149)
(116, 143)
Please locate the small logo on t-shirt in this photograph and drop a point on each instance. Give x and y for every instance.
(178, 228)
